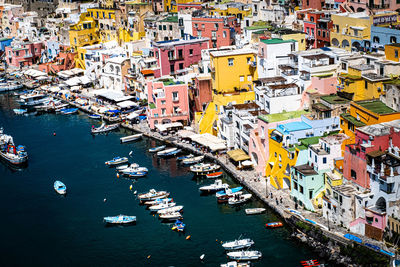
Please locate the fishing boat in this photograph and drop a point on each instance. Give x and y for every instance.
(239, 199)
(273, 224)
(60, 187)
(94, 116)
(216, 186)
(168, 152)
(254, 211)
(120, 168)
(120, 219)
(172, 209)
(137, 172)
(157, 201)
(67, 111)
(156, 149)
(171, 216)
(10, 86)
(185, 157)
(152, 194)
(179, 226)
(19, 111)
(131, 138)
(214, 175)
(15, 155)
(116, 161)
(104, 128)
(244, 255)
(193, 160)
(204, 168)
(161, 206)
(238, 244)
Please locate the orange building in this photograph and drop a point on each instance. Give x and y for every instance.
(392, 52)
(65, 60)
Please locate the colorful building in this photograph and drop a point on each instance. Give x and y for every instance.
(318, 26)
(392, 52)
(23, 54)
(65, 60)
(84, 33)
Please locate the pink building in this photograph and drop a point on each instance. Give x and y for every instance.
(175, 56)
(168, 102)
(319, 86)
(201, 92)
(182, 6)
(220, 30)
(370, 5)
(24, 54)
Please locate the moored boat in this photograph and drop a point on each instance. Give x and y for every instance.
(244, 255)
(239, 199)
(152, 194)
(172, 209)
(161, 206)
(179, 226)
(214, 175)
(216, 186)
(156, 149)
(273, 224)
(116, 161)
(94, 116)
(204, 168)
(238, 244)
(254, 211)
(131, 138)
(235, 264)
(185, 157)
(137, 172)
(169, 152)
(228, 191)
(193, 160)
(60, 187)
(156, 201)
(10, 86)
(32, 99)
(67, 111)
(171, 216)
(104, 128)
(19, 111)
(120, 219)
(15, 155)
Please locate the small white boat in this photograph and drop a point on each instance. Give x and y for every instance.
(238, 244)
(216, 186)
(120, 219)
(131, 138)
(254, 211)
(168, 152)
(104, 128)
(171, 216)
(244, 255)
(20, 111)
(193, 160)
(156, 149)
(235, 264)
(121, 168)
(132, 169)
(164, 205)
(169, 210)
(152, 194)
(156, 201)
(116, 161)
(204, 168)
(239, 199)
(60, 187)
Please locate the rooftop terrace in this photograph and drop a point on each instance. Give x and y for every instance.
(282, 116)
(375, 106)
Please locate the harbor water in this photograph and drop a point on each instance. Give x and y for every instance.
(41, 228)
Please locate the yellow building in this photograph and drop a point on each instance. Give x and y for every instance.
(239, 12)
(136, 30)
(83, 33)
(299, 37)
(172, 5)
(392, 52)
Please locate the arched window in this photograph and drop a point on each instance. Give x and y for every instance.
(393, 39)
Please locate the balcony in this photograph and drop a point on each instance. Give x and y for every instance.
(252, 64)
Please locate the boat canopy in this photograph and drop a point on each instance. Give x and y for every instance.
(353, 237)
(238, 155)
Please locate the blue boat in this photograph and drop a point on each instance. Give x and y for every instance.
(353, 237)
(156, 149)
(179, 226)
(232, 190)
(372, 246)
(120, 219)
(60, 187)
(69, 110)
(94, 116)
(136, 173)
(387, 252)
(185, 157)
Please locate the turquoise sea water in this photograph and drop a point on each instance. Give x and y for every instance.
(40, 228)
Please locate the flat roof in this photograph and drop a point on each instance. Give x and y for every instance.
(282, 116)
(353, 120)
(293, 126)
(305, 169)
(246, 106)
(375, 106)
(282, 86)
(226, 53)
(334, 99)
(277, 41)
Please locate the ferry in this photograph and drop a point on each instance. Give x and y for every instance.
(15, 155)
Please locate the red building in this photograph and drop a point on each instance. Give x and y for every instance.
(200, 92)
(317, 26)
(23, 54)
(316, 4)
(220, 30)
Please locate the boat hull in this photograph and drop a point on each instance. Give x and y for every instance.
(19, 161)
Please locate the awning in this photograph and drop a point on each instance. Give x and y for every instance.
(208, 140)
(168, 126)
(85, 80)
(35, 73)
(238, 155)
(73, 81)
(185, 133)
(113, 95)
(127, 104)
(147, 72)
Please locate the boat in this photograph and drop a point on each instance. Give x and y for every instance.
(116, 161)
(156, 149)
(161, 206)
(172, 209)
(123, 167)
(238, 244)
(131, 138)
(132, 169)
(216, 186)
(32, 99)
(137, 172)
(254, 211)
(235, 264)
(104, 128)
(152, 194)
(178, 226)
(204, 168)
(228, 191)
(15, 155)
(20, 111)
(185, 157)
(10, 86)
(168, 152)
(60, 188)
(94, 116)
(120, 219)
(239, 199)
(67, 111)
(244, 255)
(194, 160)
(214, 175)
(171, 216)
(273, 224)
(156, 201)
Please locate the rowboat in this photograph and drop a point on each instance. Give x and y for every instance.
(131, 138)
(239, 199)
(60, 187)
(156, 149)
(214, 175)
(254, 211)
(238, 244)
(244, 255)
(169, 152)
(120, 219)
(94, 116)
(104, 128)
(193, 160)
(216, 186)
(179, 226)
(172, 209)
(171, 216)
(273, 224)
(116, 161)
(67, 111)
(152, 194)
(204, 168)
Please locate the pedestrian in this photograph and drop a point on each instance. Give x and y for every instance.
(295, 206)
(272, 195)
(277, 203)
(280, 199)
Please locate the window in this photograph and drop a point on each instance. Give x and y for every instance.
(160, 27)
(241, 78)
(396, 53)
(353, 174)
(301, 190)
(310, 194)
(175, 96)
(230, 61)
(324, 160)
(163, 111)
(198, 33)
(170, 27)
(295, 187)
(162, 102)
(181, 66)
(366, 84)
(248, 60)
(17, 54)
(164, 27)
(195, 25)
(319, 33)
(214, 34)
(249, 78)
(176, 110)
(191, 52)
(224, 34)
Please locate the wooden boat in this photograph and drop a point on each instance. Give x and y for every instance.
(273, 224)
(204, 168)
(120, 219)
(67, 111)
(152, 194)
(156, 149)
(171, 216)
(238, 244)
(60, 187)
(104, 128)
(172, 209)
(131, 138)
(116, 161)
(244, 255)
(216, 186)
(194, 160)
(214, 175)
(239, 199)
(254, 211)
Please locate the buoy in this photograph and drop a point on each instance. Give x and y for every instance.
(202, 256)
(149, 256)
(117, 175)
(105, 200)
(188, 237)
(135, 192)
(130, 187)
(130, 154)
(216, 240)
(54, 133)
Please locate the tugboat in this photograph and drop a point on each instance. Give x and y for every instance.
(15, 155)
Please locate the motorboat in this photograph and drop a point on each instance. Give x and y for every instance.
(235, 264)
(228, 191)
(104, 128)
(185, 157)
(134, 167)
(238, 244)
(169, 210)
(273, 224)
(239, 199)
(194, 160)
(152, 194)
(214, 175)
(32, 99)
(60, 187)
(171, 216)
(254, 211)
(94, 116)
(19, 111)
(11, 153)
(156, 201)
(10, 86)
(131, 138)
(120, 219)
(161, 206)
(168, 152)
(204, 168)
(244, 255)
(216, 186)
(178, 226)
(116, 161)
(137, 172)
(67, 111)
(125, 166)
(156, 149)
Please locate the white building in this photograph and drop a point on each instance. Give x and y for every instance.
(112, 77)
